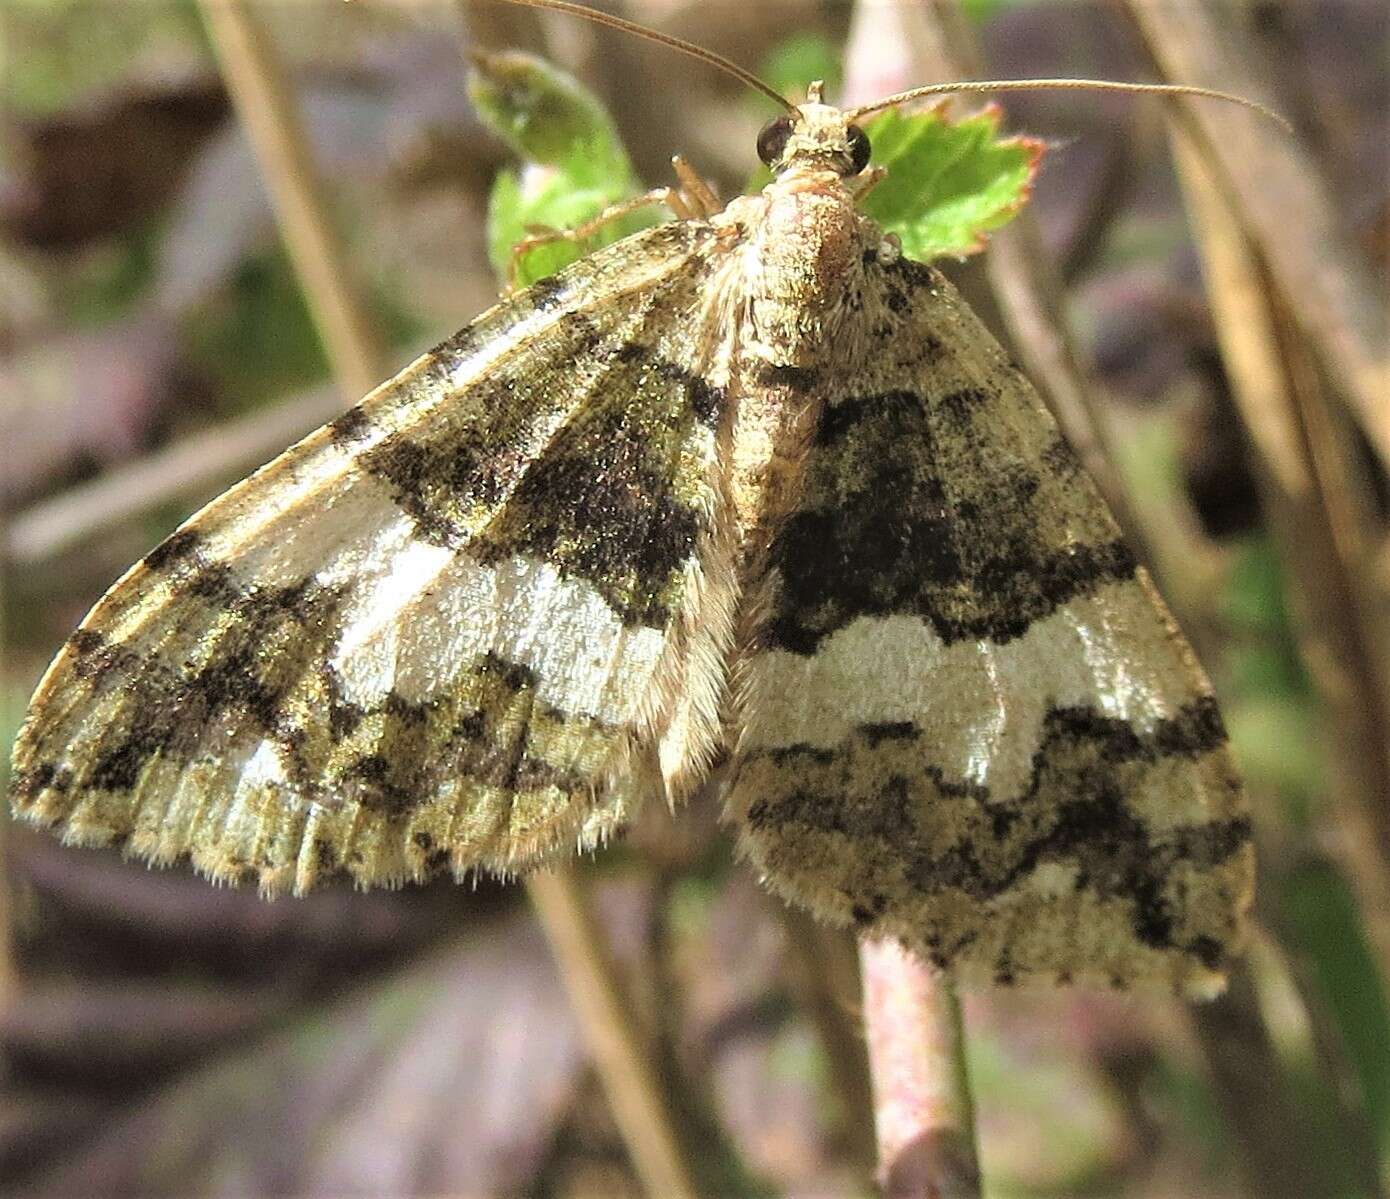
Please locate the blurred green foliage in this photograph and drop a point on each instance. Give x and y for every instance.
(574, 168)
(257, 338)
(1321, 918)
(103, 286)
(980, 11)
(56, 52)
(1269, 706)
(798, 60)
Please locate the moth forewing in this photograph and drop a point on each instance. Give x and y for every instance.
(751, 486)
(421, 637)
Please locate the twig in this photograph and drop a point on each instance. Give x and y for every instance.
(272, 122)
(640, 1106)
(923, 1113)
(612, 1031)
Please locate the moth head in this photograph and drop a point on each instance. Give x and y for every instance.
(816, 134)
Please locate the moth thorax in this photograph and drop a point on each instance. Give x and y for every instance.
(805, 264)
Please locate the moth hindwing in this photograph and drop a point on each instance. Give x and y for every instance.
(749, 484)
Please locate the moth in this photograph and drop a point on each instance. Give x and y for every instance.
(748, 490)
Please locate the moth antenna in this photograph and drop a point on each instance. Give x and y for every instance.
(1090, 85)
(662, 39)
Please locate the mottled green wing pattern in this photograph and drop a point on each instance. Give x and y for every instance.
(427, 636)
(969, 721)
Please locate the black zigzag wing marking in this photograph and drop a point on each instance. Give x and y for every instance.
(337, 663)
(901, 847)
(934, 487)
(968, 720)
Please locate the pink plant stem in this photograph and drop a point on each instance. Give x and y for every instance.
(923, 1116)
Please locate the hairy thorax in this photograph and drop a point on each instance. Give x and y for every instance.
(803, 269)
(796, 297)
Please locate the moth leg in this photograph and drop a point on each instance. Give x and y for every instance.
(694, 191)
(541, 235)
(693, 199)
(867, 181)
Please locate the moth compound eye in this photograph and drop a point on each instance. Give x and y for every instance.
(773, 139)
(859, 148)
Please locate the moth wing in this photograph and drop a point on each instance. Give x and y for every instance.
(429, 634)
(969, 721)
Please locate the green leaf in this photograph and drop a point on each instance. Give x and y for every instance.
(549, 117)
(575, 164)
(537, 196)
(949, 182)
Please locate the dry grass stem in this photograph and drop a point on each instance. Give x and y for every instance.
(1340, 305)
(1277, 391)
(268, 114)
(613, 1033)
(923, 1114)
